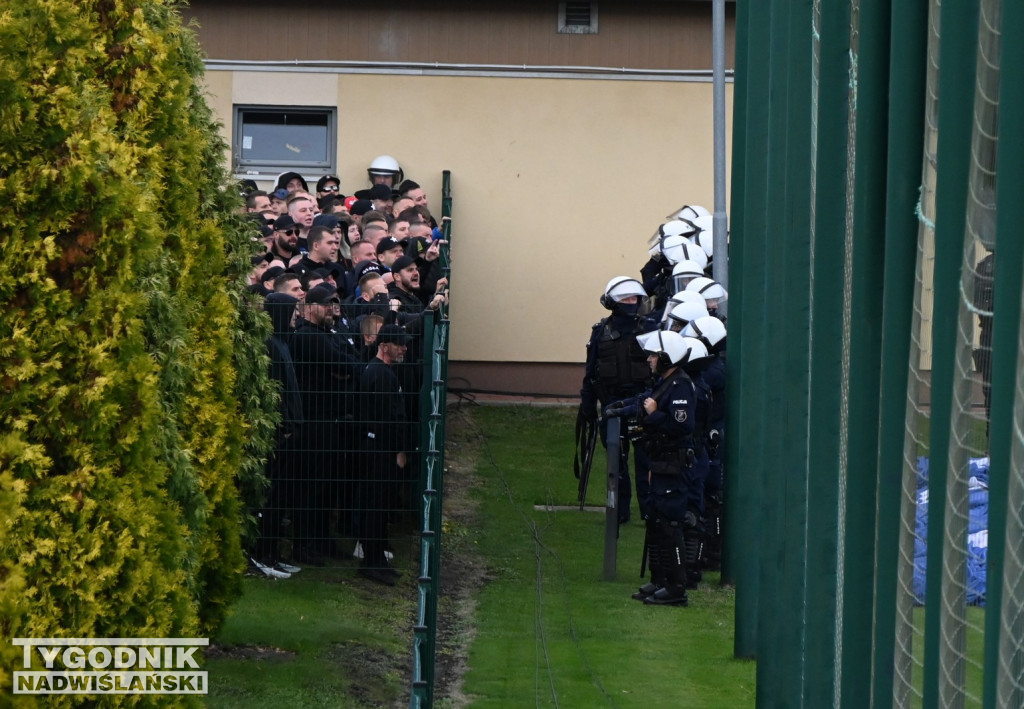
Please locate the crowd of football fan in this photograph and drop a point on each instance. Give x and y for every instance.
(657, 362)
(347, 282)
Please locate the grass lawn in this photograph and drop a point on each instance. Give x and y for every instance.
(323, 638)
(525, 615)
(548, 630)
(526, 620)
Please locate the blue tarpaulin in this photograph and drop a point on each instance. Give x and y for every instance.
(977, 531)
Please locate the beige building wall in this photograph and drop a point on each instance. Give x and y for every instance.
(557, 183)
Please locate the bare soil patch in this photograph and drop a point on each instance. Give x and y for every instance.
(249, 652)
(463, 571)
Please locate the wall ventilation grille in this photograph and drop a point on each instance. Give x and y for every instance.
(577, 17)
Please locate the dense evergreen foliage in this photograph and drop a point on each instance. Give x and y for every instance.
(134, 401)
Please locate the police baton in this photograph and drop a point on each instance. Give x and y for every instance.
(586, 441)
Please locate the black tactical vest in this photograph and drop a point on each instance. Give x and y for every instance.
(622, 368)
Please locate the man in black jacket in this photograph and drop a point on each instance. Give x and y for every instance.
(387, 440)
(280, 466)
(326, 366)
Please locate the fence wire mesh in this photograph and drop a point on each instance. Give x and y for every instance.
(907, 686)
(345, 474)
(1010, 680)
(966, 533)
(962, 626)
(945, 574)
(909, 645)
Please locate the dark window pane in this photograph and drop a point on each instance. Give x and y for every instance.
(291, 138)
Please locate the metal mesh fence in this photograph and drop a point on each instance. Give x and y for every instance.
(961, 627)
(907, 688)
(966, 534)
(935, 642)
(345, 474)
(1010, 682)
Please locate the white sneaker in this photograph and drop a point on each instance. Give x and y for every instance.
(357, 553)
(269, 571)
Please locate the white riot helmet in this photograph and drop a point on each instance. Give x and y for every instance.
(679, 248)
(709, 289)
(709, 330)
(705, 236)
(676, 227)
(673, 227)
(683, 314)
(684, 272)
(663, 243)
(668, 345)
(682, 297)
(385, 165)
(696, 351)
(689, 212)
(619, 288)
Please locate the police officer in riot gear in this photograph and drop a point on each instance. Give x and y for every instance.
(710, 331)
(694, 523)
(667, 415)
(617, 368)
(671, 246)
(712, 292)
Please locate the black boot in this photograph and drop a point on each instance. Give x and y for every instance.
(656, 564)
(693, 546)
(648, 589)
(668, 596)
(674, 593)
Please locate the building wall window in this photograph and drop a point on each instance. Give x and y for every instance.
(271, 139)
(577, 18)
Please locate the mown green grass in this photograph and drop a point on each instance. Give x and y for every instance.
(549, 631)
(323, 638)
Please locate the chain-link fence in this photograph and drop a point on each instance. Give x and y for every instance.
(356, 477)
(888, 132)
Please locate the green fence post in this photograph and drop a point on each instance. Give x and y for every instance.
(867, 263)
(433, 412)
(736, 300)
(1000, 652)
(959, 33)
(425, 629)
(830, 200)
(782, 605)
(747, 371)
(908, 57)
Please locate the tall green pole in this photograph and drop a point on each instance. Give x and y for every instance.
(959, 32)
(747, 371)
(866, 254)
(782, 604)
(1007, 284)
(907, 80)
(830, 199)
(735, 265)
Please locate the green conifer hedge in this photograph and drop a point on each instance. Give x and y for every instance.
(134, 397)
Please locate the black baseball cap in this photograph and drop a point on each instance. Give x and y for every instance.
(283, 222)
(323, 294)
(380, 192)
(395, 334)
(364, 267)
(388, 243)
(402, 262)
